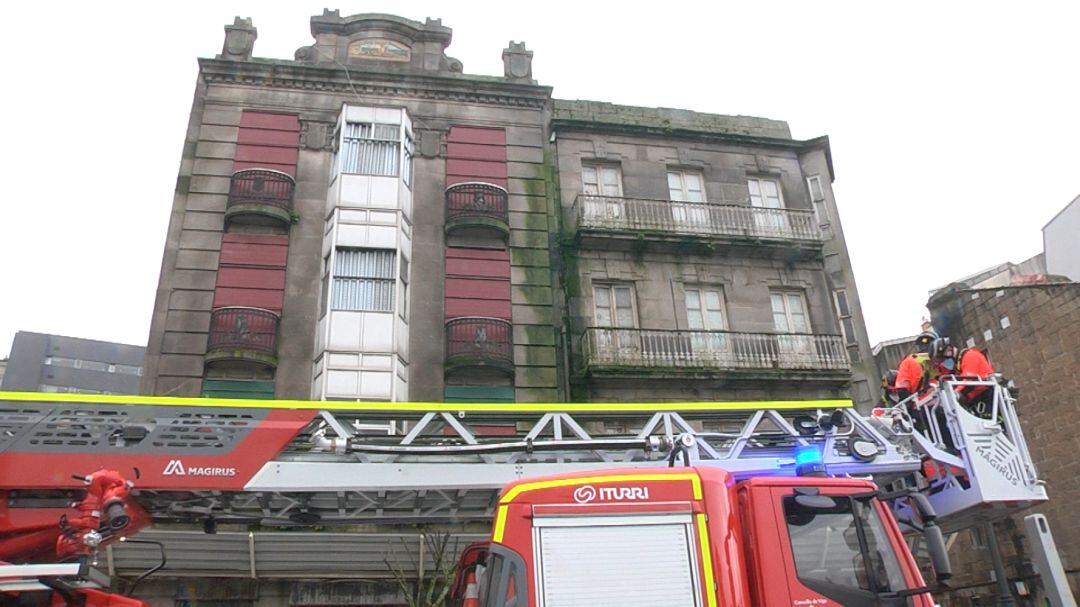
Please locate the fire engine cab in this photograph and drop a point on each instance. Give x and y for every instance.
(698, 538)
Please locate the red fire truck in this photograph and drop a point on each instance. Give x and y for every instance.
(698, 538)
(785, 490)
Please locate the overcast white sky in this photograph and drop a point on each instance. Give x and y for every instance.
(955, 126)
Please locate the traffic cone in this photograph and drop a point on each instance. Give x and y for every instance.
(472, 592)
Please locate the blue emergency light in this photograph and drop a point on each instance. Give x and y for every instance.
(809, 461)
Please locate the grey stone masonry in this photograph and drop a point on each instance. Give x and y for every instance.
(626, 115)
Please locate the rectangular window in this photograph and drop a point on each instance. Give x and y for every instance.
(765, 193)
(601, 180)
(789, 312)
(843, 313)
(817, 197)
(614, 306)
(685, 186)
(705, 309)
(370, 148)
(363, 280)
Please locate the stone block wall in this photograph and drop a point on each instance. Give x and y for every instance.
(1033, 337)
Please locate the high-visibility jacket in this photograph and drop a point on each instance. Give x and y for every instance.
(973, 362)
(913, 373)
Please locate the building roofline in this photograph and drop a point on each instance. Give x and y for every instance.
(281, 73)
(1058, 214)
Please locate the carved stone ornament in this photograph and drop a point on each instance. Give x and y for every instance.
(379, 48)
(762, 163)
(517, 62)
(316, 135)
(239, 40)
(431, 142)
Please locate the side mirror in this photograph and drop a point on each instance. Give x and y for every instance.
(939, 554)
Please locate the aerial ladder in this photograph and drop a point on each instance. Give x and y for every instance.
(282, 463)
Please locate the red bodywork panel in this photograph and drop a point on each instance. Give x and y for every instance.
(747, 545)
(230, 470)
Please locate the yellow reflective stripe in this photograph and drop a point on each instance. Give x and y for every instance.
(330, 405)
(517, 490)
(500, 524)
(706, 559)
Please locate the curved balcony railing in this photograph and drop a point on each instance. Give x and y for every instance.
(239, 333)
(719, 350)
(258, 194)
(477, 205)
(618, 214)
(475, 341)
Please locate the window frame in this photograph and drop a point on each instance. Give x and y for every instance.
(597, 167)
(682, 172)
(785, 293)
(762, 178)
(613, 306)
(345, 138)
(701, 289)
(390, 280)
(851, 338)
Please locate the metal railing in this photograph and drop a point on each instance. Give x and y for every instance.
(694, 218)
(476, 200)
(475, 337)
(263, 186)
(252, 329)
(604, 347)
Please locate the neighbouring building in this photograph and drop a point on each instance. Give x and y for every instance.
(1032, 333)
(889, 353)
(54, 363)
(1060, 245)
(3, 368)
(369, 222)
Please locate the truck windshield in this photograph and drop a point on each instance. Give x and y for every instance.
(844, 545)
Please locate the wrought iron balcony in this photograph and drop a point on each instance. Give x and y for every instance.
(665, 218)
(260, 197)
(627, 349)
(240, 334)
(477, 207)
(474, 341)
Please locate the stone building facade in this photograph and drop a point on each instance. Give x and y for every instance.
(369, 222)
(1033, 336)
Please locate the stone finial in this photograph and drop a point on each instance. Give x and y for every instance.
(239, 40)
(517, 62)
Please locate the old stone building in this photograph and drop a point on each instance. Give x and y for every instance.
(1032, 333)
(702, 259)
(369, 222)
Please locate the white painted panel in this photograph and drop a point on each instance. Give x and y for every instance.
(401, 390)
(375, 384)
(384, 217)
(355, 190)
(317, 387)
(378, 361)
(603, 565)
(345, 330)
(353, 216)
(350, 235)
(342, 383)
(383, 237)
(340, 360)
(360, 114)
(387, 115)
(406, 120)
(402, 369)
(384, 192)
(378, 332)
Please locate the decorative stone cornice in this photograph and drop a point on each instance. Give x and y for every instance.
(358, 81)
